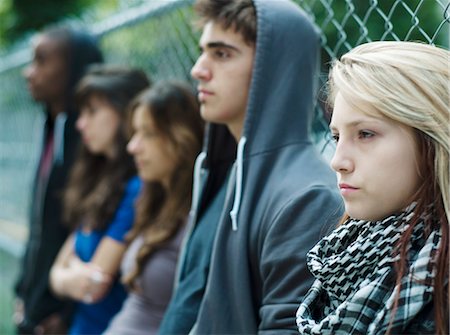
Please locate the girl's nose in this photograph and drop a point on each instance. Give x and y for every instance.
(341, 161)
(133, 144)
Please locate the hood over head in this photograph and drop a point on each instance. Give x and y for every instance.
(281, 98)
(285, 77)
(284, 82)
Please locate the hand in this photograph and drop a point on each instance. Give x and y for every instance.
(53, 324)
(88, 284)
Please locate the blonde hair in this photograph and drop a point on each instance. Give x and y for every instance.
(407, 82)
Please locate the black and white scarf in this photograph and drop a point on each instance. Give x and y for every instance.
(354, 291)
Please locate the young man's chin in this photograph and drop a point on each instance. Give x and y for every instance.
(207, 114)
(211, 115)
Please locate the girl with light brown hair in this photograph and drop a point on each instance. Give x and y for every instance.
(167, 137)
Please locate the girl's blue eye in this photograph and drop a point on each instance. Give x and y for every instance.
(335, 137)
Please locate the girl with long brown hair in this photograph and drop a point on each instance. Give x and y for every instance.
(167, 137)
(384, 270)
(99, 199)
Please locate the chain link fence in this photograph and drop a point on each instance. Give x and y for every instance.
(158, 37)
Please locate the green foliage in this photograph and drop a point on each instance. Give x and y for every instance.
(19, 17)
(164, 46)
(6, 19)
(345, 24)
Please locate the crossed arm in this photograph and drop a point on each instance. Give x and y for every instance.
(86, 281)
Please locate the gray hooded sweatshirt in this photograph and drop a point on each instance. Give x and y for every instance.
(282, 196)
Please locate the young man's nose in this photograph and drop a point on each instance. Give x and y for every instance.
(200, 71)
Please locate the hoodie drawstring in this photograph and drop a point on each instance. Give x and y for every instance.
(196, 187)
(192, 214)
(238, 192)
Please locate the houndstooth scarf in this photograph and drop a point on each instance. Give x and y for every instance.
(354, 288)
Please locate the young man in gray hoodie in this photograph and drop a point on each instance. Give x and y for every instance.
(257, 76)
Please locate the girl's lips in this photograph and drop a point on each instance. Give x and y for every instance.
(347, 189)
(346, 186)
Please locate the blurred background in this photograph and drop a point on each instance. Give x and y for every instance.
(157, 35)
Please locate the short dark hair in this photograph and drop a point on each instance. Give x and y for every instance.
(79, 48)
(237, 14)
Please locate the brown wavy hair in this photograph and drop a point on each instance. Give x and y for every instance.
(161, 211)
(88, 198)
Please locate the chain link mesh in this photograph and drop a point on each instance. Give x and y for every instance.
(158, 37)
